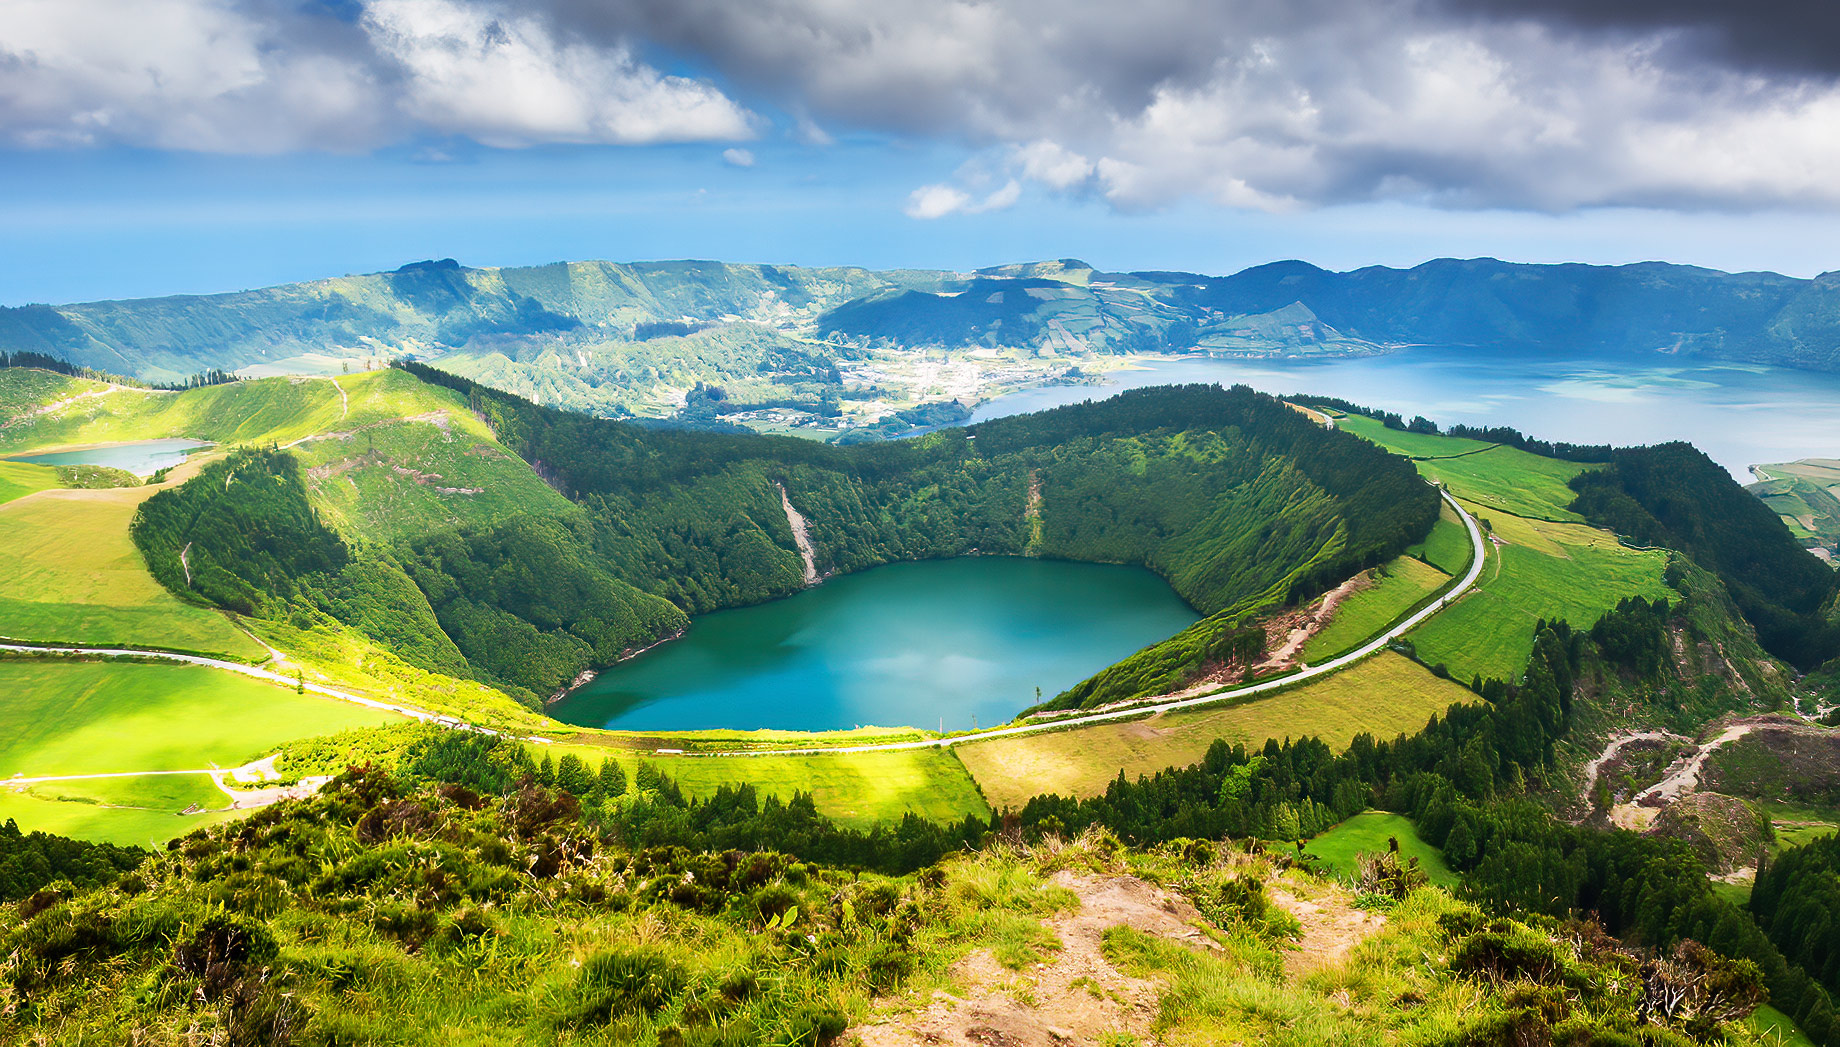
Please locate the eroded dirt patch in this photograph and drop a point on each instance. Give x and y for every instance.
(1331, 927)
(1075, 996)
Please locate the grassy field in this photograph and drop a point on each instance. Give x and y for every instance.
(1447, 546)
(73, 575)
(1510, 480)
(84, 412)
(1545, 570)
(1797, 824)
(18, 479)
(1806, 494)
(140, 826)
(1778, 1029)
(67, 717)
(1412, 445)
(1385, 696)
(853, 788)
(1394, 590)
(1370, 831)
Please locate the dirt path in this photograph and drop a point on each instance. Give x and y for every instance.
(801, 536)
(1617, 745)
(1311, 622)
(1683, 776)
(1075, 996)
(1331, 928)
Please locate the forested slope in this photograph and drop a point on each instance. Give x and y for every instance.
(1240, 502)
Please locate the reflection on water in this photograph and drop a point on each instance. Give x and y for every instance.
(1740, 414)
(142, 458)
(913, 644)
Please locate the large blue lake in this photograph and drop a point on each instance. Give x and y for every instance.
(924, 644)
(1741, 415)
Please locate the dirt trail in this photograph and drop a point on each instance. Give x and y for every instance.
(1075, 996)
(1683, 776)
(1309, 622)
(1331, 928)
(1617, 745)
(801, 535)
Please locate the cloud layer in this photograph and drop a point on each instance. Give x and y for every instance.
(1531, 104)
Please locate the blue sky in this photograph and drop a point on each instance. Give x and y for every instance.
(180, 146)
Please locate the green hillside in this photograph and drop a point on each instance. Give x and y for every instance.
(429, 531)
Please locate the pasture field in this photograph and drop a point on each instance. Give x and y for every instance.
(1385, 695)
(1806, 494)
(18, 479)
(1797, 824)
(62, 716)
(1545, 570)
(1369, 831)
(74, 411)
(1509, 480)
(1412, 445)
(169, 793)
(74, 576)
(137, 826)
(856, 789)
(1447, 546)
(1393, 591)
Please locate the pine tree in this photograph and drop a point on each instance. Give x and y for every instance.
(613, 778)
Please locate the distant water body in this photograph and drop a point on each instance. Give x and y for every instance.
(909, 644)
(1740, 414)
(142, 458)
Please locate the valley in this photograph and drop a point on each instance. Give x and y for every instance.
(366, 551)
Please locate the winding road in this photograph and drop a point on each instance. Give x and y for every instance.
(1477, 559)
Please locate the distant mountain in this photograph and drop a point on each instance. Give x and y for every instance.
(570, 331)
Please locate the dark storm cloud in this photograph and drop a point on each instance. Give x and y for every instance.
(1787, 37)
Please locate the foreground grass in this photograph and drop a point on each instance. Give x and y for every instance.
(61, 717)
(74, 576)
(372, 916)
(1395, 589)
(1386, 695)
(1543, 571)
(1370, 832)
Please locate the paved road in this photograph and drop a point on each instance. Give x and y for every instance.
(1477, 559)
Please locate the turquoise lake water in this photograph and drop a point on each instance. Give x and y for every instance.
(142, 458)
(910, 644)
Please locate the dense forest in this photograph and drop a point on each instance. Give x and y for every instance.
(1797, 900)
(29, 861)
(1240, 502)
(1673, 495)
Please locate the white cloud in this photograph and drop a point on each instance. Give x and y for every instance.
(259, 76)
(939, 200)
(738, 157)
(505, 79)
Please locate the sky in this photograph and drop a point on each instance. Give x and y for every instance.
(175, 146)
